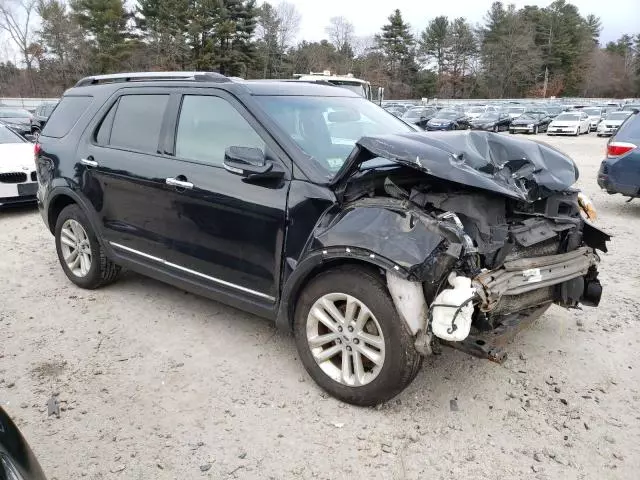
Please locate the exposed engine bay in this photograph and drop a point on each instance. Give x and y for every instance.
(479, 256)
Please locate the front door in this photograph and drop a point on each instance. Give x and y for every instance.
(225, 230)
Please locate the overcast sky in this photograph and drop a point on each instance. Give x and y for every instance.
(617, 16)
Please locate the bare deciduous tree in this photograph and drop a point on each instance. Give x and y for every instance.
(340, 32)
(16, 19)
(289, 23)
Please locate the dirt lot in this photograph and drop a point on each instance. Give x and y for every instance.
(155, 383)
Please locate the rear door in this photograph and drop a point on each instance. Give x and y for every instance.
(123, 173)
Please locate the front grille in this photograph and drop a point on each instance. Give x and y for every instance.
(13, 177)
(34, 176)
(542, 249)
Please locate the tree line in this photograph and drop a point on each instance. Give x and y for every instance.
(513, 52)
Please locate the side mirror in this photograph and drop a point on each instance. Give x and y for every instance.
(250, 163)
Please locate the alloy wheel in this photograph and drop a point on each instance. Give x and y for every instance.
(345, 339)
(76, 248)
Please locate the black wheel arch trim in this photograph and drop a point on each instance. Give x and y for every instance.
(59, 191)
(320, 260)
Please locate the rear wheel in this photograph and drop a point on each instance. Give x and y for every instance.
(351, 339)
(81, 255)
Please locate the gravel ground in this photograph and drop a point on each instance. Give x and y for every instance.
(157, 383)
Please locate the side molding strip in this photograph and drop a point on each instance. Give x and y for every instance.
(192, 272)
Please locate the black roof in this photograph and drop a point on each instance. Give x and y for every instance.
(108, 83)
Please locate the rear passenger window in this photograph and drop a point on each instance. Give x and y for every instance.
(207, 126)
(137, 122)
(65, 116)
(630, 129)
(104, 131)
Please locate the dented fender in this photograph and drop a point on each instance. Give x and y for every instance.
(392, 235)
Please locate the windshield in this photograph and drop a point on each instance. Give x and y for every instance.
(7, 136)
(554, 109)
(327, 128)
(14, 113)
(529, 116)
(515, 110)
(593, 112)
(477, 110)
(447, 115)
(618, 115)
(489, 117)
(631, 108)
(570, 117)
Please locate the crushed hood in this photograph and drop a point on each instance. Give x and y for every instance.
(513, 167)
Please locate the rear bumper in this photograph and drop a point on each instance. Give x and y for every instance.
(610, 176)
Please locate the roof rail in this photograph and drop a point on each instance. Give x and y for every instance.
(152, 76)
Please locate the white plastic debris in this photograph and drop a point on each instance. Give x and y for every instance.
(452, 310)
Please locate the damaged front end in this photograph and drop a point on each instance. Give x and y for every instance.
(479, 233)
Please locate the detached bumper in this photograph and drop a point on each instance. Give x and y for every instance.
(525, 275)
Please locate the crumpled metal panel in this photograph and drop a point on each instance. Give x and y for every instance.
(514, 167)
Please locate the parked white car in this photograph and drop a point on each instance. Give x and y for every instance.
(18, 181)
(595, 116)
(611, 123)
(570, 123)
(477, 112)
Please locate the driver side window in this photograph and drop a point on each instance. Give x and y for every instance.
(207, 126)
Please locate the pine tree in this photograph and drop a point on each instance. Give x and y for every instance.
(163, 24)
(397, 45)
(106, 23)
(434, 42)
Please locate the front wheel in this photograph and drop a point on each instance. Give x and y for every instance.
(81, 255)
(350, 338)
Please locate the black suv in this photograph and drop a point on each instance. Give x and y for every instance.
(313, 207)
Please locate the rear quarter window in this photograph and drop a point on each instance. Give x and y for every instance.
(65, 115)
(630, 129)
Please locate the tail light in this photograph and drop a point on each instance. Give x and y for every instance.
(617, 149)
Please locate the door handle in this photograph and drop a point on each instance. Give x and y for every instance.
(174, 182)
(88, 162)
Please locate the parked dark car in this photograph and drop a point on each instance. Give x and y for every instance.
(17, 461)
(419, 116)
(240, 191)
(620, 171)
(530, 122)
(448, 120)
(40, 116)
(17, 119)
(494, 122)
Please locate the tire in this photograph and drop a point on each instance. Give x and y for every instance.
(101, 271)
(401, 362)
